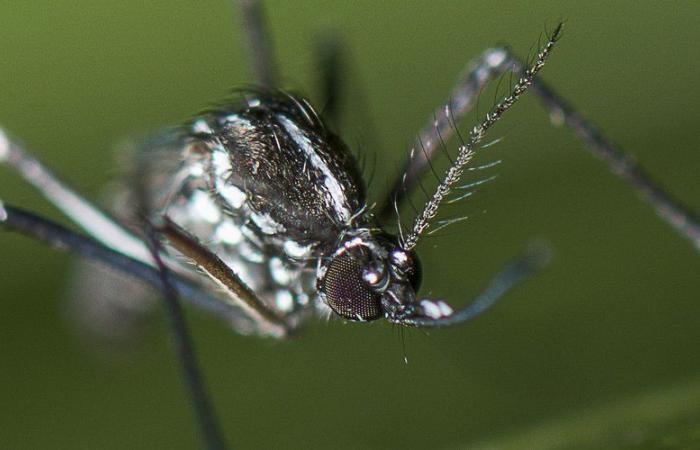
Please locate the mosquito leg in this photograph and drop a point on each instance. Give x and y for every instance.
(330, 66)
(14, 219)
(184, 348)
(335, 66)
(268, 320)
(258, 41)
(17, 220)
(514, 273)
(676, 215)
(91, 219)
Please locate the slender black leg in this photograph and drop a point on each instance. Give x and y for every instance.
(97, 223)
(330, 68)
(674, 213)
(100, 226)
(57, 236)
(260, 51)
(184, 348)
(489, 66)
(336, 73)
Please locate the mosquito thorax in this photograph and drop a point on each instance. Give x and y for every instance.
(271, 162)
(368, 277)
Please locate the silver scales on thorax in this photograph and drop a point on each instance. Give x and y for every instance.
(265, 187)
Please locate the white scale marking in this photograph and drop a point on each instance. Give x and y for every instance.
(203, 206)
(228, 233)
(295, 250)
(334, 189)
(279, 272)
(284, 300)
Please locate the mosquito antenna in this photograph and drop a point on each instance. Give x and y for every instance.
(498, 87)
(443, 146)
(510, 76)
(466, 152)
(453, 122)
(413, 207)
(427, 158)
(398, 222)
(398, 214)
(422, 189)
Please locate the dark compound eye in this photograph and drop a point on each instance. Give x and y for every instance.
(346, 291)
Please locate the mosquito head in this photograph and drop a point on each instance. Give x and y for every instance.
(369, 277)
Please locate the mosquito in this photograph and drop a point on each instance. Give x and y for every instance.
(267, 204)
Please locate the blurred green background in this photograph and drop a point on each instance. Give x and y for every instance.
(599, 351)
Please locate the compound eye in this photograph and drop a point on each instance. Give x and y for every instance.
(347, 293)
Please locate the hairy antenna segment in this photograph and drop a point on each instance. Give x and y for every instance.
(466, 151)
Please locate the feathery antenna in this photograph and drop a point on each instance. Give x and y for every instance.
(466, 150)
